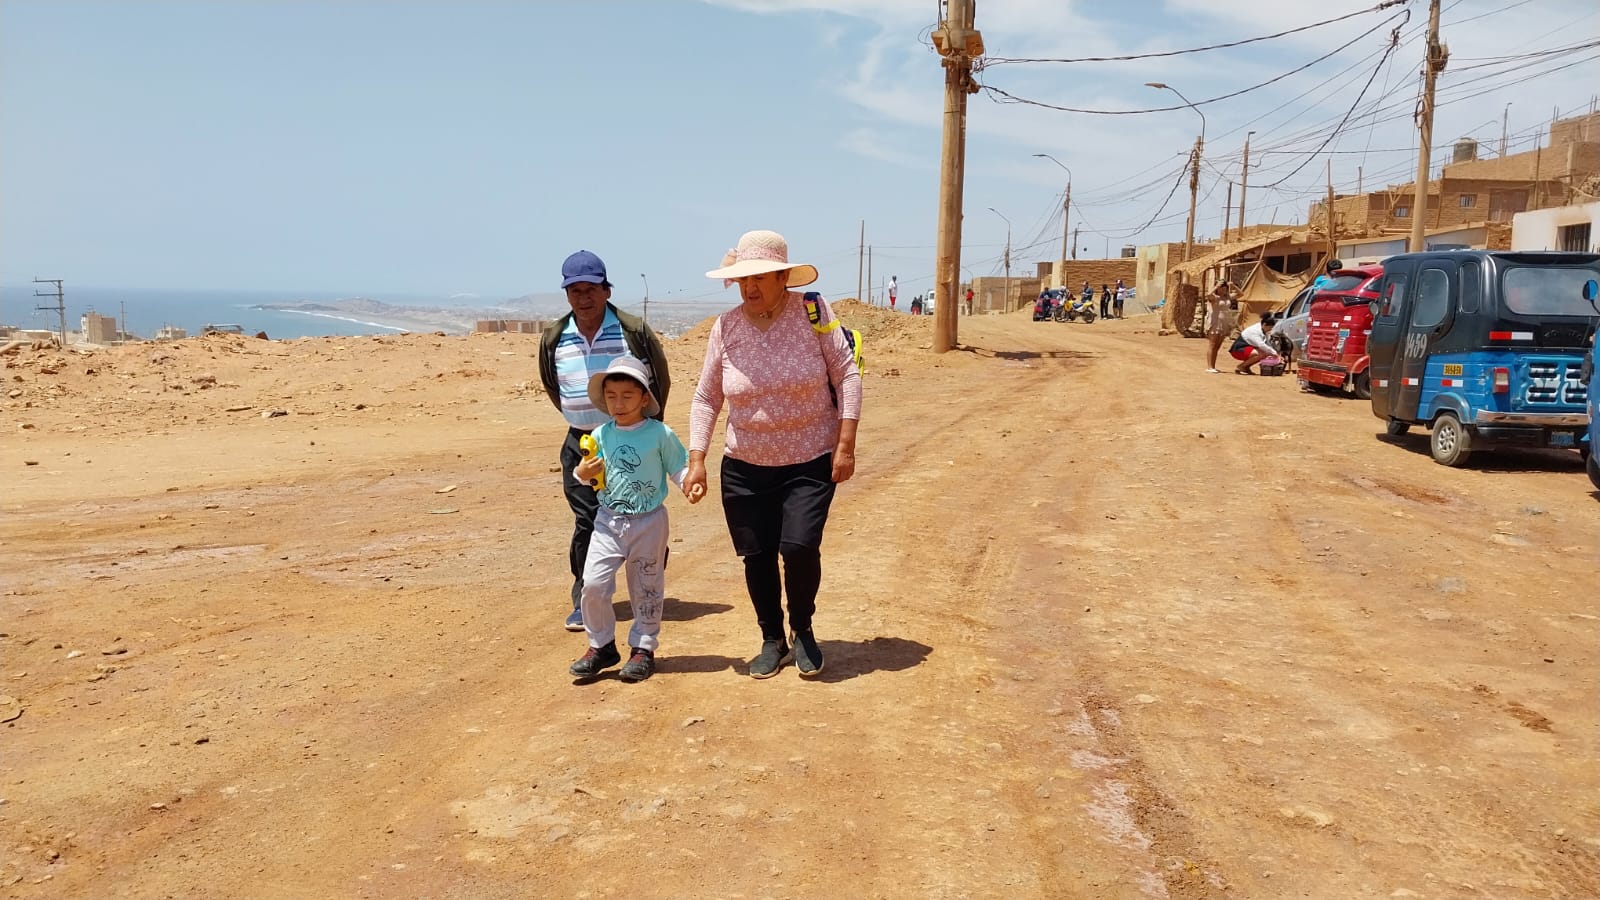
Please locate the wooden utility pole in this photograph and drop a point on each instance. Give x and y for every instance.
(60, 307)
(1194, 194)
(1074, 243)
(957, 41)
(869, 273)
(861, 250)
(1244, 183)
(1333, 245)
(1538, 157)
(1227, 212)
(1437, 55)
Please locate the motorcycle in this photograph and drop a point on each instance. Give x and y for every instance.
(1076, 309)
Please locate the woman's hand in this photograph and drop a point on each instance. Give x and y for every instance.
(844, 465)
(694, 482)
(844, 452)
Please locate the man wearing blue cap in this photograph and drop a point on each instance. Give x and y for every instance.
(572, 350)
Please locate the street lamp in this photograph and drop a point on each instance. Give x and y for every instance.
(1066, 213)
(1008, 256)
(646, 315)
(1194, 171)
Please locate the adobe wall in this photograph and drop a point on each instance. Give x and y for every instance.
(1101, 271)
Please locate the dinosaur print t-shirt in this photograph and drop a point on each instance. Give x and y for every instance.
(640, 461)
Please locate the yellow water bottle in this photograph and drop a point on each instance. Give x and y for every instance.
(589, 447)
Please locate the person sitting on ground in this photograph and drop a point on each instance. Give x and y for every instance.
(635, 459)
(1252, 346)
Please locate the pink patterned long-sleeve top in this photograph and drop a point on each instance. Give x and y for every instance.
(775, 383)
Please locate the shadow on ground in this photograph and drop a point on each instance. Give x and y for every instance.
(702, 664)
(677, 610)
(1502, 459)
(843, 660)
(1025, 354)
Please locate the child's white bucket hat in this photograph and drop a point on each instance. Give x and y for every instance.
(759, 252)
(629, 367)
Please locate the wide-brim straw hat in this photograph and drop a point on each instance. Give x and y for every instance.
(759, 252)
(632, 368)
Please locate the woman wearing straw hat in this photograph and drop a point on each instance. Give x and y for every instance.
(793, 394)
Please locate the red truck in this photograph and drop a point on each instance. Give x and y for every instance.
(1336, 338)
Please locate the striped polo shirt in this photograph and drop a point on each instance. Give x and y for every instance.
(577, 360)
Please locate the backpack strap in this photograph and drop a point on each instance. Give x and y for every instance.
(813, 302)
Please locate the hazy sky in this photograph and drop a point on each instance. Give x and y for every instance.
(443, 148)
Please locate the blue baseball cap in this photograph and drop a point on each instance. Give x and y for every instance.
(583, 266)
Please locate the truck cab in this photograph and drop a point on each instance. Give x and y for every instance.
(1336, 338)
(1483, 348)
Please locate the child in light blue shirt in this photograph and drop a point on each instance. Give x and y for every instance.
(638, 456)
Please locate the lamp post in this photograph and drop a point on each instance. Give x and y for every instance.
(1066, 229)
(1008, 256)
(646, 316)
(1194, 162)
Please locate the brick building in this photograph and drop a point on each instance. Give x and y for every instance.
(1094, 271)
(1471, 190)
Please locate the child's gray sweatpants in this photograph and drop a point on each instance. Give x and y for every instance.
(640, 543)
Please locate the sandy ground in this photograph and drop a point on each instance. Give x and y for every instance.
(1097, 625)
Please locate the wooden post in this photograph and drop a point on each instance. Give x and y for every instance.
(1332, 244)
(957, 42)
(1437, 55)
(1244, 182)
(861, 251)
(1227, 213)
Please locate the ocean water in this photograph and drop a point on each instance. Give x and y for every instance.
(146, 311)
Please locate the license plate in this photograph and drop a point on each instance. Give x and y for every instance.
(1563, 439)
(1344, 334)
(1452, 368)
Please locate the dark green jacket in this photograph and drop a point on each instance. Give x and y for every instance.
(642, 343)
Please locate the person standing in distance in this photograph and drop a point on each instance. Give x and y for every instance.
(572, 350)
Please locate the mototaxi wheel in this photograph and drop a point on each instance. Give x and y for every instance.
(1395, 427)
(1593, 468)
(1362, 384)
(1449, 441)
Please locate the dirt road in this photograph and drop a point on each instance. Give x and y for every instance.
(1097, 625)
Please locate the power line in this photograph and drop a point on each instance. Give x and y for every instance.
(1006, 60)
(1008, 97)
(1395, 42)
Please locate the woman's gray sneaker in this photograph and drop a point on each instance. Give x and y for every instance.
(807, 654)
(769, 660)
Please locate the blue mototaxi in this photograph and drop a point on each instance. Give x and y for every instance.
(1591, 293)
(1484, 347)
